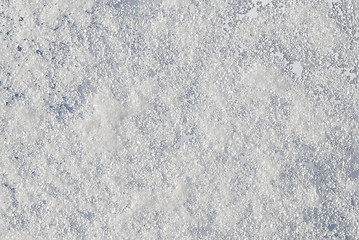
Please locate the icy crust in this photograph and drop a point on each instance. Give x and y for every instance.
(179, 119)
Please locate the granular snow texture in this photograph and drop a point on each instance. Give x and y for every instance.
(179, 119)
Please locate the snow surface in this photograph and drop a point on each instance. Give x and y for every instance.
(179, 119)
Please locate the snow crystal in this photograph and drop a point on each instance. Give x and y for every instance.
(179, 119)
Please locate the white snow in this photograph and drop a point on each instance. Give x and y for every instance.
(168, 119)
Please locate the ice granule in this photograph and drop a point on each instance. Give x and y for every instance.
(168, 119)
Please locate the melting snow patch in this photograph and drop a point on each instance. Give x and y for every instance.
(297, 69)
